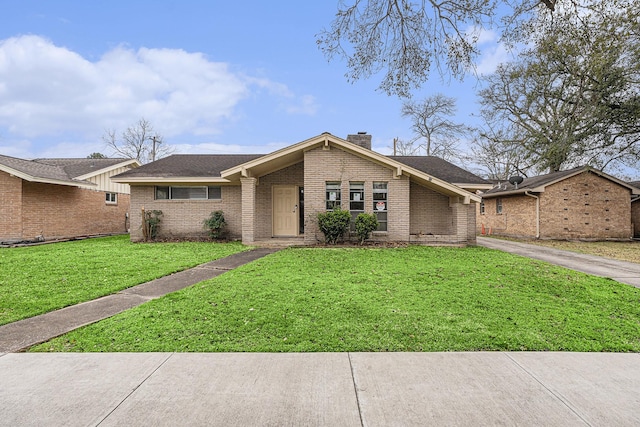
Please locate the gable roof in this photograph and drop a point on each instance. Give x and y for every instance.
(295, 154)
(73, 172)
(537, 184)
(225, 168)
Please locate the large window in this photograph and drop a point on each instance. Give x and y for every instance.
(356, 201)
(188, 193)
(380, 204)
(333, 196)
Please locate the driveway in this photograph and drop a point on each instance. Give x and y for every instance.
(621, 271)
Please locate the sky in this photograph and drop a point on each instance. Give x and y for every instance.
(212, 77)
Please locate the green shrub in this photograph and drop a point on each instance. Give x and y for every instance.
(333, 224)
(215, 224)
(365, 224)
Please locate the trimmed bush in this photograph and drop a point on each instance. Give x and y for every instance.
(215, 224)
(365, 224)
(333, 224)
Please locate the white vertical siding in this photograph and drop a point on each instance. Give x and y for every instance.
(105, 184)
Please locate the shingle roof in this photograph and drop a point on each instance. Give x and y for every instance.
(536, 182)
(78, 167)
(440, 168)
(189, 165)
(210, 165)
(61, 170)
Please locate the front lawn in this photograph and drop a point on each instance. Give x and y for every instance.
(403, 299)
(39, 279)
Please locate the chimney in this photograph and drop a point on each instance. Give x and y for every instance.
(361, 139)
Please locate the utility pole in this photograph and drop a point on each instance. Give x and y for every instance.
(153, 150)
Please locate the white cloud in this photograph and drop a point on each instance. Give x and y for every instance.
(493, 52)
(48, 90)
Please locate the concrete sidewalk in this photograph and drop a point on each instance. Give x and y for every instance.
(621, 271)
(320, 389)
(28, 332)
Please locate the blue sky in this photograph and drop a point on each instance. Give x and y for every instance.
(211, 77)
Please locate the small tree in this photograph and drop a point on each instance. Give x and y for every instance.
(215, 224)
(150, 221)
(365, 224)
(333, 224)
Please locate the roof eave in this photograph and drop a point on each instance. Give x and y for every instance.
(170, 180)
(41, 180)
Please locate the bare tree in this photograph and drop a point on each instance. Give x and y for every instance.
(435, 133)
(573, 98)
(403, 39)
(139, 142)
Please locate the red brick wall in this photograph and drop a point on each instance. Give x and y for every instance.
(58, 211)
(635, 217)
(518, 217)
(585, 206)
(10, 207)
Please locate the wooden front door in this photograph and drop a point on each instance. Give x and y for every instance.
(285, 210)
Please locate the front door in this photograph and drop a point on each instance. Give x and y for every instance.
(285, 210)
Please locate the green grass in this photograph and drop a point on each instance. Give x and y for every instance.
(39, 279)
(403, 299)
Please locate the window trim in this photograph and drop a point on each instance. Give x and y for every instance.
(356, 188)
(107, 198)
(336, 187)
(385, 200)
(208, 190)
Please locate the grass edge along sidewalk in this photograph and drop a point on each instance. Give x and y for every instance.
(403, 299)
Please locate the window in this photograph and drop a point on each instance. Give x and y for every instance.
(482, 208)
(188, 193)
(498, 205)
(333, 196)
(380, 204)
(111, 198)
(356, 201)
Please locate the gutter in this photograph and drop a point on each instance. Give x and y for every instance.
(526, 193)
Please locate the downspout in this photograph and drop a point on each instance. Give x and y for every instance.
(526, 193)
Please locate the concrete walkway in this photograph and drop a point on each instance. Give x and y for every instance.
(28, 332)
(621, 271)
(309, 389)
(320, 389)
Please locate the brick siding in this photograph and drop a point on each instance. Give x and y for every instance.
(635, 217)
(183, 218)
(59, 211)
(584, 206)
(10, 207)
(322, 165)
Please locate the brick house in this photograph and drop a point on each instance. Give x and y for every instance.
(635, 210)
(278, 195)
(46, 199)
(581, 203)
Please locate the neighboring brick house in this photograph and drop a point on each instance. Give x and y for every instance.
(635, 210)
(581, 203)
(46, 199)
(416, 199)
